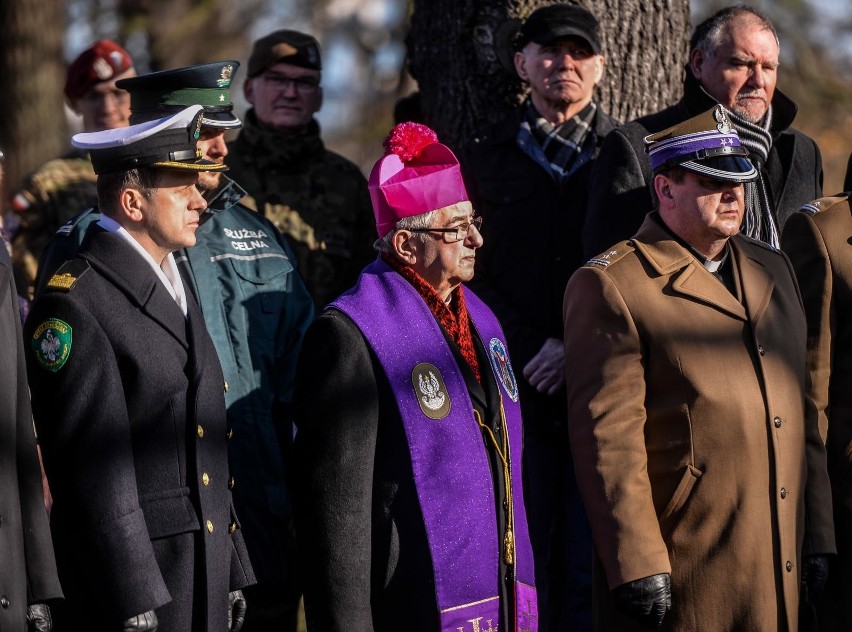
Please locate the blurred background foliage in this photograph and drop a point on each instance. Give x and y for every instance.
(365, 70)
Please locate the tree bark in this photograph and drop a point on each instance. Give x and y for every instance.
(454, 48)
(33, 128)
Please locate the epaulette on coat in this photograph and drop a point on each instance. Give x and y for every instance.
(611, 255)
(68, 227)
(823, 204)
(67, 275)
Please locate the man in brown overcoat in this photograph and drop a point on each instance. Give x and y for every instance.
(696, 447)
(817, 241)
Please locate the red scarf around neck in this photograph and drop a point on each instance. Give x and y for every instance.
(456, 324)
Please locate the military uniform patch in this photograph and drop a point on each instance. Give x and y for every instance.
(430, 391)
(503, 368)
(51, 344)
(68, 274)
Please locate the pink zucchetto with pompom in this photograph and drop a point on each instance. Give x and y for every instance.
(416, 175)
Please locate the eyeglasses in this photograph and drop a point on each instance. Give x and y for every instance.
(455, 233)
(303, 85)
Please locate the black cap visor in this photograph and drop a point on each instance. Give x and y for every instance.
(730, 168)
(551, 35)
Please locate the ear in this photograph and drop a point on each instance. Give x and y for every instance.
(320, 95)
(132, 204)
(521, 65)
(663, 189)
(248, 90)
(600, 64)
(405, 246)
(696, 62)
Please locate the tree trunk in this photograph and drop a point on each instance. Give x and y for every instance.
(464, 87)
(186, 32)
(33, 128)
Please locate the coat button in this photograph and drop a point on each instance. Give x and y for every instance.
(232, 528)
(210, 528)
(777, 422)
(200, 431)
(761, 350)
(783, 493)
(205, 478)
(4, 601)
(789, 566)
(231, 482)
(225, 387)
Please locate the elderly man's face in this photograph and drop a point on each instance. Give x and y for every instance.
(285, 97)
(700, 210)
(445, 265)
(104, 106)
(742, 73)
(562, 73)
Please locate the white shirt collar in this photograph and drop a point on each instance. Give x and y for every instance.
(167, 273)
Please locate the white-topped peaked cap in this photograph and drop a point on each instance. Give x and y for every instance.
(166, 143)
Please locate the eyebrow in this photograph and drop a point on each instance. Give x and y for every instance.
(753, 60)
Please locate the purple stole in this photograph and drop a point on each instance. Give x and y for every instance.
(452, 474)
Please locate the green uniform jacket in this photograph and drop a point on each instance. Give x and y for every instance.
(317, 198)
(256, 309)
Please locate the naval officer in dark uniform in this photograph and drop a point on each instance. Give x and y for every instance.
(256, 308)
(128, 401)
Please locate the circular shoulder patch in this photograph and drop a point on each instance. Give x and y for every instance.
(51, 344)
(503, 368)
(430, 391)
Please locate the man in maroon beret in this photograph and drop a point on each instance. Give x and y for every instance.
(63, 187)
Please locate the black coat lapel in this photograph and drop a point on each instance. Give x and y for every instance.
(121, 265)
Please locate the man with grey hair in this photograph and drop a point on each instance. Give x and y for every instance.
(408, 498)
(733, 61)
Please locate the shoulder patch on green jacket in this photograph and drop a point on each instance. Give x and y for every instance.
(68, 275)
(51, 344)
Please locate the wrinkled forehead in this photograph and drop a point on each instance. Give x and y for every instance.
(455, 212)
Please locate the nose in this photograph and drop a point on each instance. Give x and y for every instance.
(758, 76)
(734, 193)
(290, 88)
(566, 60)
(197, 201)
(473, 238)
(216, 148)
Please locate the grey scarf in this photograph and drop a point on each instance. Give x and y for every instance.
(759, 221)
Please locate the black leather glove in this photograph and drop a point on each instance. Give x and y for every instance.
(236, 610)
(38, 618)
(645, 600)
(814, 574)
(145, 622)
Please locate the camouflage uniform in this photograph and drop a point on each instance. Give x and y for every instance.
(47, 199)
(317, 198)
